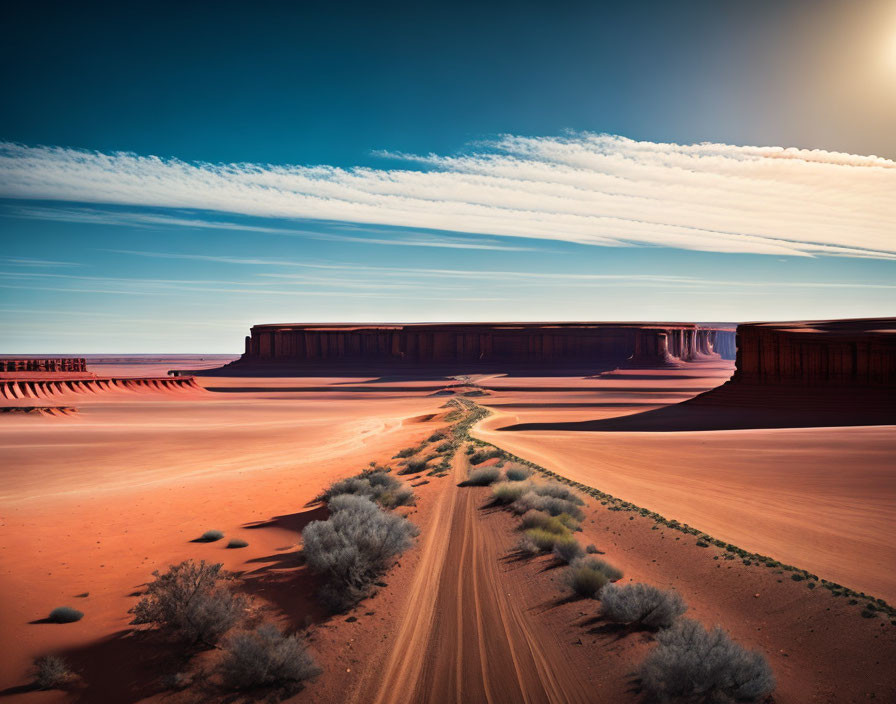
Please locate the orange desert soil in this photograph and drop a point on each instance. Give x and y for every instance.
(92, 503)
(823, 499)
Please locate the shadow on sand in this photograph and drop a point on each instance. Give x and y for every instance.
(736, 408)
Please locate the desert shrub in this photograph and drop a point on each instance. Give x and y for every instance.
(545, 540)
(555, 506)
(265, 658)
(192, 602)
(517, 473)
(568, 549)
(545, 521)
(51, 672)
(210, 536)
(694, 665)
(508, 492)
(402, 496)
(444, 447)
(354, 547)
(483, 455)
(237, 543)
(65, 614)
(641, 604)
(558, 491)
(527, 546)
(414, 466)
(406, 452)
(592, 550)
(586, 576)
(483, 476)
(376, 484)
(438, 435)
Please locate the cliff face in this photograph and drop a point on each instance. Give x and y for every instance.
(542, 344)
(854, 353)
(33, 364)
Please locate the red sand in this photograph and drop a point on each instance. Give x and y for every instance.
(93, 503)
(819, 498)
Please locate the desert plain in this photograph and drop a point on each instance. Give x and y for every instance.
(95, 500)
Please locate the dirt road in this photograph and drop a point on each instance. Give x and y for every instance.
(465, 636)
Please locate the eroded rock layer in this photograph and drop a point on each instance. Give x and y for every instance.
(43, 364)
(852, 353)
(543, 344)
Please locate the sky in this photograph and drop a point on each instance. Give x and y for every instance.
(173, 173)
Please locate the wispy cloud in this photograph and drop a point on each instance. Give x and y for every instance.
(584, 188)
(422, 276)
(156, 220)
(36, 263)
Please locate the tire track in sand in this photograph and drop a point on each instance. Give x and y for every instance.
(465, 638)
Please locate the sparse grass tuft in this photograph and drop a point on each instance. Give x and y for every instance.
(65, 614)
(641, 604)
(692, 664)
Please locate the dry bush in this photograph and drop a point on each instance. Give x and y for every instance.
(483, 455)
(265, 658)
(559, 491)
(414, 466)
(191, 602)
(483, 476)
(545, 521)
(530, 500)
(508, 492)
(51, 672)
(210, 536)
(65, 614)
(235, 543)
(586, 576)
(354, 547)
(641, 604)
(568, 549)
(515, 473)
(693, 665)
(376, 484)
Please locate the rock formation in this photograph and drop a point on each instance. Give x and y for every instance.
(854, 353)
(34, 364)
(25, 379)
(472, 345)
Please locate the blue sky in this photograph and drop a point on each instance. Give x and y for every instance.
(172, 173)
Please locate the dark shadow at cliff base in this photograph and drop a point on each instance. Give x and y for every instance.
(740, 407)
(407, 371)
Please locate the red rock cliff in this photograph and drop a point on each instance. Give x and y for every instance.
(854, 353)
(549, 344)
